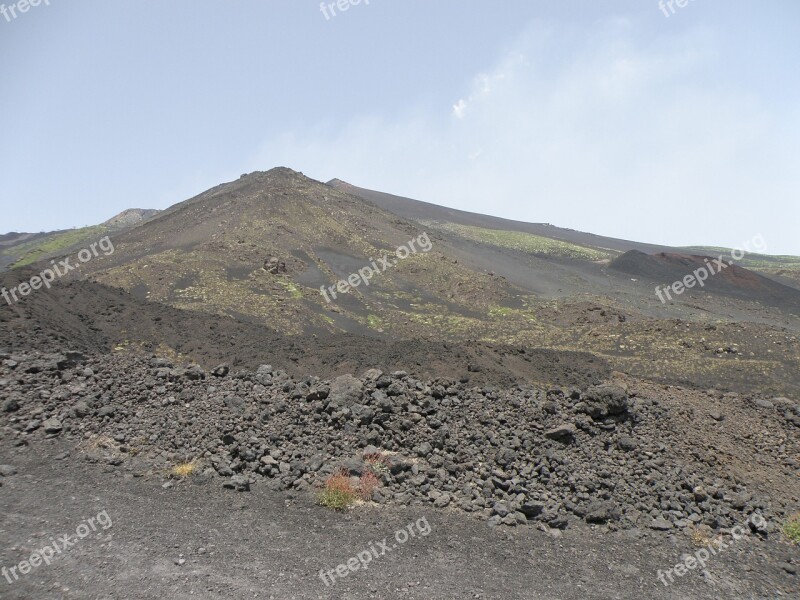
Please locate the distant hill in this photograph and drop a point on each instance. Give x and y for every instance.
(732, 280)
(785, 269)
(20, 249)
(130, 218)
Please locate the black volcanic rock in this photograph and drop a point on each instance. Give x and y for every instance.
(534, 477)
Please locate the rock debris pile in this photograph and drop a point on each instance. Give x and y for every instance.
(511, 456)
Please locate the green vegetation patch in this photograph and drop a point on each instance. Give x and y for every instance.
(750, 260)
(56, 244)
(525, 242)
(374, 322)
(291, 288)
(791, 529)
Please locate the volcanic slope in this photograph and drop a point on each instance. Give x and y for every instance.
(213, 252)
(209, 253)
(721, 277)
(418, 210)
(259, 248)
(549, 242)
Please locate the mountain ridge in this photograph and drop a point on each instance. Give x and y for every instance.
(259, 249)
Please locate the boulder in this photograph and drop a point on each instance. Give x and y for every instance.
(52, 426)
(608, 400)
(563, 433)
(221, 370)
(346, 390)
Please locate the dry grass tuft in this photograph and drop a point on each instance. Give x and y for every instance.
(702, 537)
(367, 484)
(183, 470)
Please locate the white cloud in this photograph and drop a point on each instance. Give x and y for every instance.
(460, 108)
(593, 130)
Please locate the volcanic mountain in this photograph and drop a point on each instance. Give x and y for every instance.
(258, 250)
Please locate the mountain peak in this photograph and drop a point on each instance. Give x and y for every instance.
(340, 184)
(130, 217)
(274, 172)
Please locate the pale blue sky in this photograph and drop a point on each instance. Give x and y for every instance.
(601, 116)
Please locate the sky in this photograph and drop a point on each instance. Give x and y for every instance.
(676, 126)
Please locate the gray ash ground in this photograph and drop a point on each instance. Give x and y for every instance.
(625, 456)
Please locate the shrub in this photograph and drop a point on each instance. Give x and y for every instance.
(368, 484)
(337, 492)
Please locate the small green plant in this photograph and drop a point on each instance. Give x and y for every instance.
(377, 461)
(293, 290)
(338, 492)
(791, 529)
